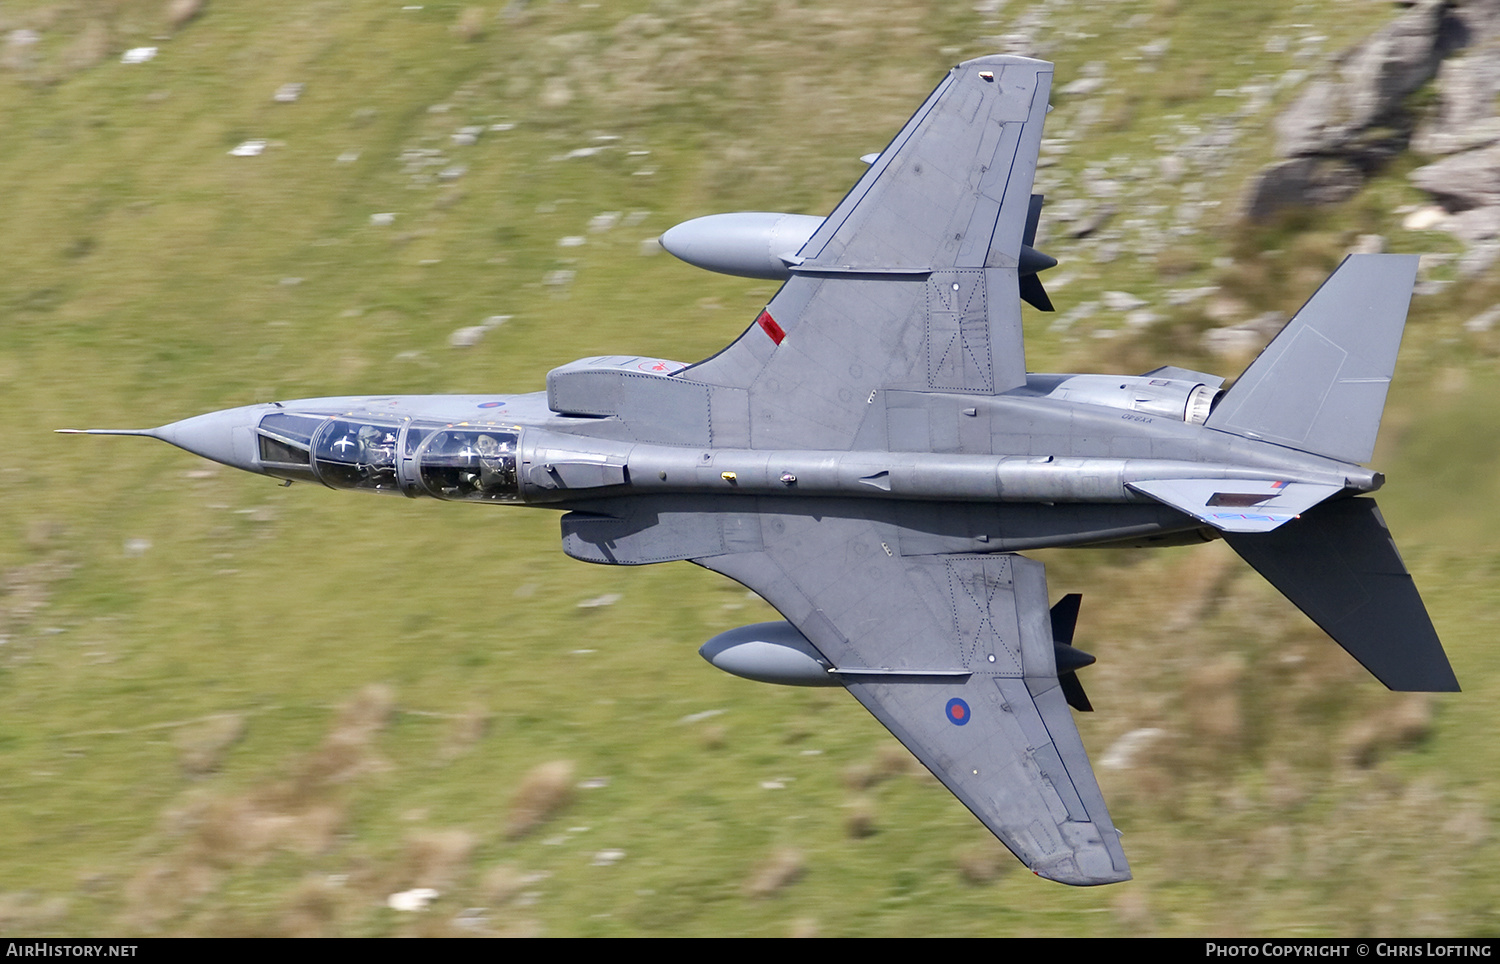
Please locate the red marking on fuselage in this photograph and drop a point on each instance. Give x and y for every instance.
(769, 326)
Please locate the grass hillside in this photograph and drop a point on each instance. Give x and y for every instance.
(234, 708)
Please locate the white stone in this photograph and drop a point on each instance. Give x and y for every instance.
(603, 222)
(1429, 217)
(599, 602)
(1121, 301)
(467, 337)
(411, 900)
(1483, 321)
(251, 148)
(1122, 755)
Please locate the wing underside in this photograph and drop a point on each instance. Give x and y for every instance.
(954, 655)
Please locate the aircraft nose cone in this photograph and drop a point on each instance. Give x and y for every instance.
(227, 437)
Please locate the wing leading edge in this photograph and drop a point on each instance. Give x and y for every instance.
(954, 655)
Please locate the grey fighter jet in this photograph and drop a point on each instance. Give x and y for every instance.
(871, 454)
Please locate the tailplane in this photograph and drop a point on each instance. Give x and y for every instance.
(1320, 384)
(1339, 565)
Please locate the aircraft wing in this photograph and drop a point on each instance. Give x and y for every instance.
(953, 653)
(912, 282)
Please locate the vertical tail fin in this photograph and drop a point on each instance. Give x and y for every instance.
(1320, 384)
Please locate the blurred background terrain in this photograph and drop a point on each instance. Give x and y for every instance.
(233, 708)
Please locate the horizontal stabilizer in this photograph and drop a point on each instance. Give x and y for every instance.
(1320, 384)
(1237, 505)
(1339, 565)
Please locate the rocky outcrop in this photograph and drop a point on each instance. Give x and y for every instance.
(1350, 121)
(1300, 181)
(1465, 116)
(1463, 130)
(1349, 111)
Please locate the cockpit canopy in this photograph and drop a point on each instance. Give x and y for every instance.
(461, 462)
(350, 454)
(470, 464)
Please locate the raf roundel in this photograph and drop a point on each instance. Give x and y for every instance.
(958, 712)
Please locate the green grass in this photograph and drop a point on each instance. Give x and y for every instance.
(148, 276)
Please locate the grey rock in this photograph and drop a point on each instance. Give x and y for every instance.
(471, 336)
(1353, 118)
(1081, 86)
(1091, 221)
(1299, 181)
(1475, 224)
(1367, 85)
(1465, 118)
(1483, 321)
(467, 337)
(1461, 181)
(1246, 337)
(1078, 313)
(1101, 187)
(1478, 259)
(1186, 296)
(1121, 301)
(1478, 134)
